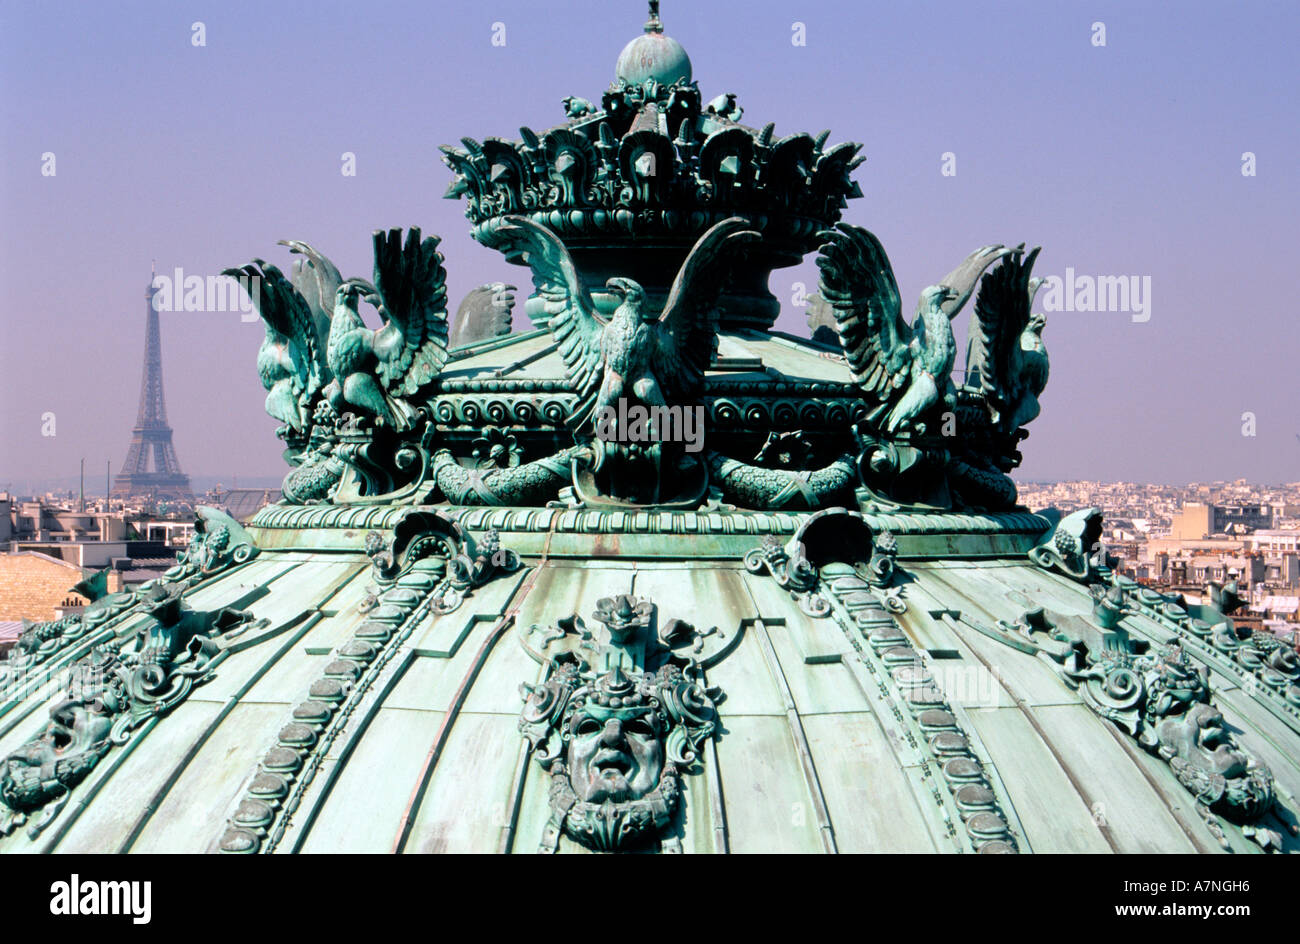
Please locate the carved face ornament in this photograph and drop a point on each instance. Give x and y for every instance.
(73, 740)
(1199, 736)
(75, 726)
(615, 744)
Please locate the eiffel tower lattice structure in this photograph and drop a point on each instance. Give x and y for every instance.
(152, 436)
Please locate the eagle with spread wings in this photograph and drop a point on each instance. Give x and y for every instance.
(638, 353)
(291, 361)
(380, 371)
(317, 345)
(906, 369)
(1006, 359)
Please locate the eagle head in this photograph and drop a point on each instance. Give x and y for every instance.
(1031, 339)
(349, 292)
(346, 299)
(633, 297)
(935, 295)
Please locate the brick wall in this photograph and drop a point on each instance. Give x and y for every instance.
(33, 584)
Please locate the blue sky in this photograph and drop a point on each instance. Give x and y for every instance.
(1119, 160)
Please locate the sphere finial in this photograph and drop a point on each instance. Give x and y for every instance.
(652, 55)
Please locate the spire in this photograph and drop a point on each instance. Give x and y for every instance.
(151, 435)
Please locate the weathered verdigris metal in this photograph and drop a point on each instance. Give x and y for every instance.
(483, 314)
(620, 716)
(498, 609)
(110, 695)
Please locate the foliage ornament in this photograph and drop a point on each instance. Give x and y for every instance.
(219, 542)
(40, 641)
(525, 483)
(460, 562)
(1073, 546)
(110, 694)
(1161, 698)
(832, 536)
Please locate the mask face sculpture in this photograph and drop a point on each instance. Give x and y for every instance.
(72, 742)
(614, 754)
(1163, 699)
(110, 693)
(615, 746)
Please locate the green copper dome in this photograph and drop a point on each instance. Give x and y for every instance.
(653, 56)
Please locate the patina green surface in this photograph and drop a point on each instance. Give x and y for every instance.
(489, 617)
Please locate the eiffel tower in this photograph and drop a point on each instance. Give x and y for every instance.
(151, 434)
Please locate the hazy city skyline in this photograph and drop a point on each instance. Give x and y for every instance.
(1120, 160)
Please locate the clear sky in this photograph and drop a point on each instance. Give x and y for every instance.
(1122, 159)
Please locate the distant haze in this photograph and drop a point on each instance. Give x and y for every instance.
(1122, 160)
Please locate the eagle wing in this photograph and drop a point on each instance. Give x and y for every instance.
(289, 326)
(317, 281)
(1000, 317)
(688, 333)
(484, 313)
(571, 315)
(962, 280)
(411, 288)
(858, 283)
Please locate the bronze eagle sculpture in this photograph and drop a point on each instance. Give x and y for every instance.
(1006, 359)
(638, 353)
(906, 369)
(291, 360)
(380, 371)
(318, 347)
